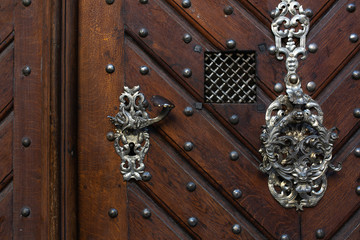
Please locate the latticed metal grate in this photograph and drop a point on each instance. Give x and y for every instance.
(230, 77)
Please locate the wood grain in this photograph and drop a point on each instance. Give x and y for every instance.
(7, 76)
(6, 143)
(6, 18)
(6, 203)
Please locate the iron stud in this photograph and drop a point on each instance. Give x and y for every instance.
(228, 10)
(197, 48)
(144, 70)
(187, 72)
(357, 112)
(188, 111)
(110, 136)
(351, 7)
(191, 186)
(356, 75)
(110, 68)
(357, 152)
(146, 176)
(278, 87)
(230, 44)
(293, 78)
(236, 228)
(26, 141)
(192, 221)
(309, 13)
(26, 3)
(274, 13)
(110, 1)
(284, 237)
(272, 49)
(146, 213)
(186, 3)
(313, 47)
(320, 234)
(26, 71)
(143, 1)
(234, 119)
(113, 213)
(188, 146)
(187, 38)
(234, 155)
(311, 86)
(353, 38)
(236, 193)
(25, 212)
(357, 190)
(143, 32)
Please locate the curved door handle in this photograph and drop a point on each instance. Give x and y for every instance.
(131, 139)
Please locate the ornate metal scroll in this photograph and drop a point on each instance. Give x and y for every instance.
(296, 147)
(131, 136)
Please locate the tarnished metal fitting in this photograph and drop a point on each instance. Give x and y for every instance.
(110, 68)
(192, 221)
(144, 70)
(236, 193)
(187, 72)
(146, 213)
(309, 13)
(186, 3)
(188, 146)
(313, 47)
(234, 119)
(320, 233)
(26, 141)
(25, 211)
(356, 75)
(236, 228)
(110, 136)
(26, 3)
(353, 38)
(26, 71)
(357, 112)
(113, 213)
(278, 87)
(146, 176)
(272, 49)
(110, 1)
(188, 111)
(234, 155)
(357, 152)
(230, 44)
(187, 38)
(143, 1)
(143, 32)
(311, 86)
(284, 237)
(357, 190)
(228, 10)
(351, 7)
(191, 186)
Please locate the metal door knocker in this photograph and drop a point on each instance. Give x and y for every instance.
(296, 147)
(131, 138)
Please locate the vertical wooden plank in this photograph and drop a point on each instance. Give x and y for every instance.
(100, 185)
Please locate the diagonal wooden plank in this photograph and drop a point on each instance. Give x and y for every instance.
(6, 18)
(7, 76)
(6, 139)
(213, 162)
(351, 229)
(157, 226)
(6, 203)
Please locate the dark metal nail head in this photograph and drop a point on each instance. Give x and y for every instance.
(234, 119)
(351, 7)
(313, 47)
(144, 70)
(143, 32)
(236, 228)
(278, 87)
(353, 38)
(188, 146)
(143, 1)
(25, 212)
(187, 72)
(110, 1)
(230, 44)
(311, 86)
(26, 141)
(146, 213)
(186, 3)
(26, 71)
(187, 38)
(234, 155)
(191, 186)
(113, 213)
(320, 233)
(284, 237)
(146, 176)
(357, 112)
(236, 193)
(26, 3)
(110, 136)
(356, 75)
(110, 68)
(188, 111)
(228, 10)
(192, 221)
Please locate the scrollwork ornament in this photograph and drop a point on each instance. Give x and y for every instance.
(296, 147)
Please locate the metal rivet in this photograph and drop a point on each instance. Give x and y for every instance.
(113, 213)
(186, 3)
(110, 136)
(143, 32)
(26, 3)
(26, 71)
(357, 152)
(351, 7)
(197, 48)
(272, 49)
(26, 141)
(143, 1)
(228, 10)
(284, 237)
(234, 119)
(358, 190)
(309, 13)
(192, 221)
(311, 86)
(357, 112)
(230, 44)
(236, 229)
(146, 176)
(198, 105)
(110, 68)
(278, 87)
(187, 72)
(313, 47)
(356, 75)
(353, 38)
(188, 146)
(144, 70)
(188, 111)
(236, 193)
(273, 13)
(234, 155)
(146, 213)
(320, 234)
(190, 186)
(110, 1)
(187, 38)
(25, 212)
(293, 78)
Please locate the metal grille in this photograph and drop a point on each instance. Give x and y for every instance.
(230, 77)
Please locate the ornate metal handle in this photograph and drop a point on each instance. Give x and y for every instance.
(131, 136)
(296, 147)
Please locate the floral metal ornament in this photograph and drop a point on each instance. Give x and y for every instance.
(131, 138)
(296, 147)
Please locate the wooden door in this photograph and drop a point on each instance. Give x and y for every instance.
(131, 34)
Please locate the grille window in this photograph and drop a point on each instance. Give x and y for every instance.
(230, 77)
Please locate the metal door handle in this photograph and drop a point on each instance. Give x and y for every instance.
(131, 139)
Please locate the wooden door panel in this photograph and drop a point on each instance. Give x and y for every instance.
(6, 19)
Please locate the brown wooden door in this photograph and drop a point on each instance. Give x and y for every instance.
(113, 34)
